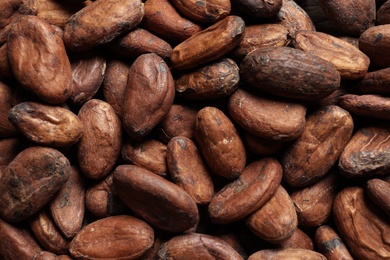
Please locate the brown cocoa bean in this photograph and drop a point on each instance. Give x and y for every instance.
(99, 239)
(382, 14)
(46, 124)
(375, 82)
(298, 240)
(219, 143)
(361, 226)
(266, 116)
(209, 44)
(99, 147)
(326, 133)
(288, 253)
(279, 70)
(375, 42)
(9, 149)
(378, 191)
(215, 80)
(259, 8)
(188, 170)
(30, 181)
(90, 27)
(372, 106)
(243, 196)
(149, 95)
(330, 244)
(8, 99)
(158, 201)
(36, 54)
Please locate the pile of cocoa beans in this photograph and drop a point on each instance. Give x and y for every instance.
(194, 129)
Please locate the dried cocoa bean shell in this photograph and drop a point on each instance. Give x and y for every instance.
(375, 82)
(114, 84)
(375, 42)
(58, 12)
(67, 208)
(294, 18)
(87, 76)
(30, 181)
(203, 12)
(361, 226)
(311, 156)
(149, 95)
(299, 239)
(17, 242)
(365, 155)
(188, 170)
(202, 245)
(102, 200)
(162, 19)
(243, 196)
(218, 79)
(209, 44)
(266, 116)
(276, 220)
(372, 106)
(348, 60)
(47, 233)
(140, 41)
(258, 8)
(378, 191)
(179, 121)
(100, 22)
(219, 143)
(330, 244)
(258, 36)
(99, 239)
(261, 146)
(382, 14)
(158, 201)
(314, 203)
(288, 253)
(147, 153)
(46, 124)
(8, 99)
(291, 73)
(351, 17)
(36, 54)
(10, 148)
(99, 147)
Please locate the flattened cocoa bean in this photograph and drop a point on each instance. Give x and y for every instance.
(158, 201)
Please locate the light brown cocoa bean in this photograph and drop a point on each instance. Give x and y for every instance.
(279, 70)
(348, 60)
(47, 233)
(266, 116)
(209, 44)
(99, 147)
(276, 220)
(314, 203)
(17, 242)
(36, 54)
(243, 196)
(218, 79)
(361, 225)
(219, 143)
(30, 181)
(366, 154)
(203, 12)
(326, 133)
(87, 75)
(378, 191)
(46, 124)
(330, 244)
(288, 253)
(147, 153)
(298, 240)
(202, 245)
(158, 201)
(45, 255)
(67, 208)
(140, 41)
(188, 170)
(149, 95)
(100, 22)
(99, 239)
(162, 18)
